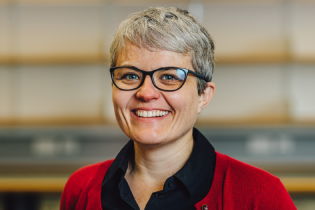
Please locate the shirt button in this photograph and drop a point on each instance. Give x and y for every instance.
(157, 195)
(168, 185)
(204, 207)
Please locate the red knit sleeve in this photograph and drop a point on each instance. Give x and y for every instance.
(74, 195)
(71, 192)
(238, 185)
(275, 197)
(248, 187)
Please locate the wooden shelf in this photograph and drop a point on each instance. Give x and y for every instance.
(56, 184)
(104, 59)
(59, 121)
(299, 184)
(53, 60)
(105, 121)
(32, 184)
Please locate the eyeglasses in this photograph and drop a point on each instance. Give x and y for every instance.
(165, 78)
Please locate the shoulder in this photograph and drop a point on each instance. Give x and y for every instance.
(81, 181)
(252, 185)
(88, 173)
(242, 176)
(234, 168)
(92, 169)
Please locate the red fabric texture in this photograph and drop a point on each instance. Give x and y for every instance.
(236, 186)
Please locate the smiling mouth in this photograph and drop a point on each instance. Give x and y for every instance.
(151, 113)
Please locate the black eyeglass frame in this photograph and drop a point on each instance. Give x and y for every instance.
(150, 73)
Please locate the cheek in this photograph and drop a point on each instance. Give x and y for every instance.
(184, 102)
(120, 99)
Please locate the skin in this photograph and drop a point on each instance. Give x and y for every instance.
(162, 144)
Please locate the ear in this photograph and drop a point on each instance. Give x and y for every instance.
(206, 96)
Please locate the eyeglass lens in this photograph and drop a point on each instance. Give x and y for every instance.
(164, 79)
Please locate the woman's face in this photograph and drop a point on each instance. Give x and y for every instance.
(169, 115)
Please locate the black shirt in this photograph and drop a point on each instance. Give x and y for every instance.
(181, 191)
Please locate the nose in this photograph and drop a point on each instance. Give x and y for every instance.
(147, 91)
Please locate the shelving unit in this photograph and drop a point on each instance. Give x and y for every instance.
(53, 61)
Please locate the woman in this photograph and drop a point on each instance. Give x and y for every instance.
(161, 68)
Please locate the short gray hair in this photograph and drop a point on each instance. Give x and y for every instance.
(171, 29)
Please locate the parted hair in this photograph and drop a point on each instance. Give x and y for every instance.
(167, 28)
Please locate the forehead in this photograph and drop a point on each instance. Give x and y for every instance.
(145, 58)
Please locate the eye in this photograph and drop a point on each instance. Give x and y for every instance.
(168, 77)
(129, 76)
(172, 75)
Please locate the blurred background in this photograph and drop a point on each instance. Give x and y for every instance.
(55, 92)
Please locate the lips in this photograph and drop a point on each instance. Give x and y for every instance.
(151, 113)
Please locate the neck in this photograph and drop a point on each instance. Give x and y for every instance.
(158, 162)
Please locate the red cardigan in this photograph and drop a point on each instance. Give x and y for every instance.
(236, 186)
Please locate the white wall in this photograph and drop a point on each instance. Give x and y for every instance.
(248, 92)
(52, 93)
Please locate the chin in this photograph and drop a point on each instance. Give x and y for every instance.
(148, 138)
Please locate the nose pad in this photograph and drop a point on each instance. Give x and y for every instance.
(147, 91)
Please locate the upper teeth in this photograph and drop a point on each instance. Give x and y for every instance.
(153, 113)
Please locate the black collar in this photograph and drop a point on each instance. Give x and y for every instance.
(199, 167)
(120, 164)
